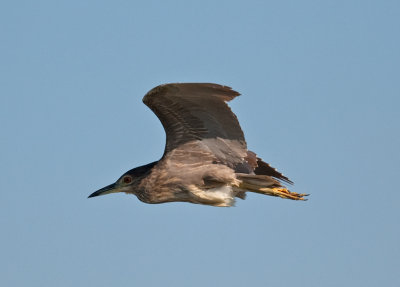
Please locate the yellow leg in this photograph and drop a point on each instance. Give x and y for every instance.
(284, 193)
(274, 191)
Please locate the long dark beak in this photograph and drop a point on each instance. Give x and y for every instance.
(105, 190)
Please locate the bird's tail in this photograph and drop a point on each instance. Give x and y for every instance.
(266, 185)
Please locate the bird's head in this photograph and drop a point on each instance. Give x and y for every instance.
(128, 182)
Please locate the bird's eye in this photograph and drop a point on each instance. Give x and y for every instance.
(127, 179)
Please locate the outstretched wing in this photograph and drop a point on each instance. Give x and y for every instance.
(195, 111)
(201, 128)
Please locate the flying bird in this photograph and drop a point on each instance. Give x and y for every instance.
(206, 160)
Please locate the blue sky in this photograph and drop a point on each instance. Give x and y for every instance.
(320, 98)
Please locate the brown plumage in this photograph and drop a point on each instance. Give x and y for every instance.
(206, 159)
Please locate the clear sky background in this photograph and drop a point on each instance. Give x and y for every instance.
(320, 84)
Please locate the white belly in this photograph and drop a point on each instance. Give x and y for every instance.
(218, 196)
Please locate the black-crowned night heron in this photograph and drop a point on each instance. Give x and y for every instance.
(206, 160)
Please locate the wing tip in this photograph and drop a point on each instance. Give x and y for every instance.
(226, 93)
(265, 168)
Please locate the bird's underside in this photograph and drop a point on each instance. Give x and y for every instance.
(193, 174)
(206, 160)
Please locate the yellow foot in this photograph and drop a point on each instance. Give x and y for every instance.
(284, 193)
